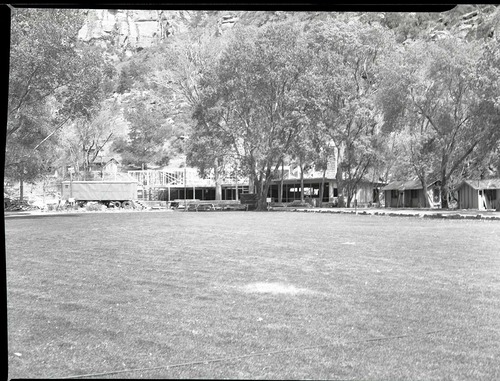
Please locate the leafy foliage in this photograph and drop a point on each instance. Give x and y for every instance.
(254, 98)
(85, 140)
(389, 95)
(440, 106)
(147, 136)
(344, 81)
(53, 79)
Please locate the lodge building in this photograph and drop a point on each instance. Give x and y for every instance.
(169, 184)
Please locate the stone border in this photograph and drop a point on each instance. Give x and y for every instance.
(403, 213)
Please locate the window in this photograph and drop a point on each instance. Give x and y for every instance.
(414, 193)
(394, 193)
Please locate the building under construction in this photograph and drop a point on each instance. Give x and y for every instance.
(169, 184)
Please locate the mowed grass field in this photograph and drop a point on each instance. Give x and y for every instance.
(269, 295)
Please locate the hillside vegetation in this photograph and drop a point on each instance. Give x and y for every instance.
(388, 95)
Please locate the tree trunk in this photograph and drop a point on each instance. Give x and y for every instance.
(21, 183)
(444, 191)
(280, 193)
(349, 195)
(340, 182)
(265, 189)
(251, 183)
(423, 180)
(262, 185)
(340, 185)
(218, 187)
(301, 181)
(259, 191)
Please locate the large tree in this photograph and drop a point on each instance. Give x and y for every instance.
(84, 140)
(440, 94)
(53, 79)
(254, 97)
(343, 86)
(177, 67)
(147, 137)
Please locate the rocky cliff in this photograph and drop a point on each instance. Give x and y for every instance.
(131, 30)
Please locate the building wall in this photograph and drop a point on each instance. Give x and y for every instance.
(414, 199)
(391, 199)
(417, 201)
(389, 202)
(467, 197)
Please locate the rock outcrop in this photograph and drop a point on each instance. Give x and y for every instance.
(132, 30)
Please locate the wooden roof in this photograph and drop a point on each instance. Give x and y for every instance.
(482, 184)
(406, 185)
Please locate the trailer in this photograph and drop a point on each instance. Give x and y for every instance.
(110, 193)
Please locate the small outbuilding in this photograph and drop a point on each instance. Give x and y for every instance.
(410, 194)
(105, 165)
(479, 194)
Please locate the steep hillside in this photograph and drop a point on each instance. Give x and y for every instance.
(132, 30)
(132, 36)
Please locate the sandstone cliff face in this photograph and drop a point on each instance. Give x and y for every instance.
(131, 30)
(468, 22)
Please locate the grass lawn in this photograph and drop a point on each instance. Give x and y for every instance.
(95, 293)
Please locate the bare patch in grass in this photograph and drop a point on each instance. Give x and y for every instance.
(274, 288)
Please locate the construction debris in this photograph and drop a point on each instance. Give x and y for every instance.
(16, 205)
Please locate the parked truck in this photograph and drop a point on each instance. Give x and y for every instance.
(110, 193)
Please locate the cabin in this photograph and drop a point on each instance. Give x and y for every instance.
(410, 194)
(105, 165)
(479, 194)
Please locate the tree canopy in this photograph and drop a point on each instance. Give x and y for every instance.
(54, 78)
(388, 96)
(436, 95)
